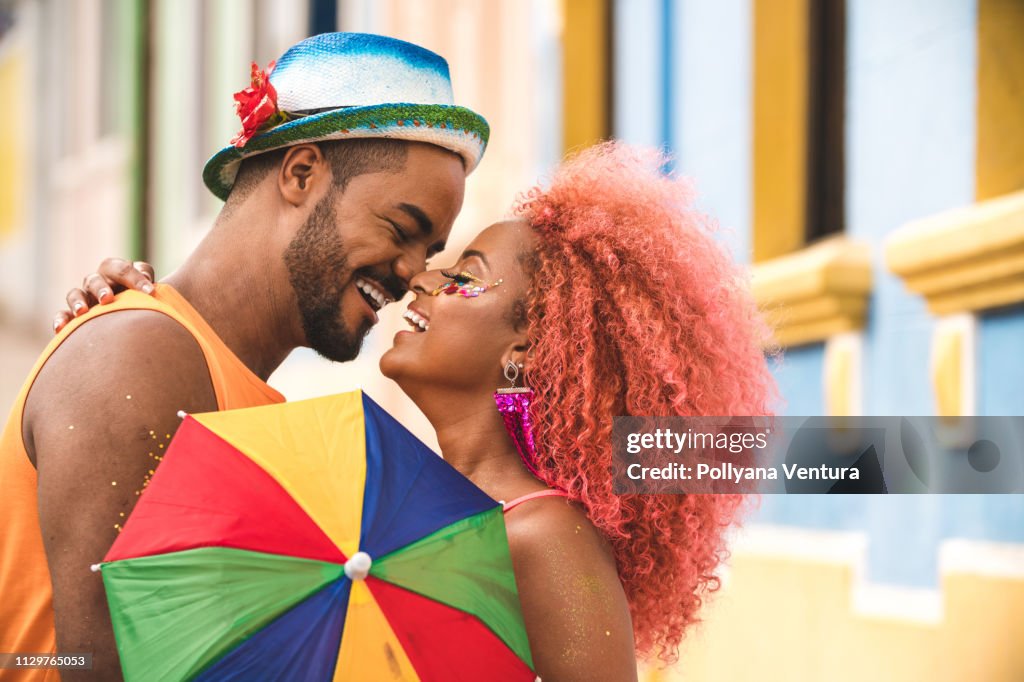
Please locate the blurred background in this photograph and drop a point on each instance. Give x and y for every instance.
(866, 158)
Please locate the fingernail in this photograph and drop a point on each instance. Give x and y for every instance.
(146, 287)
(56, 324)
(104, 293)
(78, 309)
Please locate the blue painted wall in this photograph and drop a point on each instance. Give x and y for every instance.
(638, 104)
(798, 373)
(711, 97)
(669, 94)
(911, 72)
(1000, 349)
(904, 531)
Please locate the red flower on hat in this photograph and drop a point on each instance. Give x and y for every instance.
(256, 105)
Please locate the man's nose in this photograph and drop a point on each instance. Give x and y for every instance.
(409, 265)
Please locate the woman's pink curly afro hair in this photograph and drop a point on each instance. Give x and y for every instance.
(635, 309)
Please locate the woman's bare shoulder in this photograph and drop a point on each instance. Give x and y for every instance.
(576, 612)
(555, 524)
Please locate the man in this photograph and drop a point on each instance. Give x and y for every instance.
(348, 174)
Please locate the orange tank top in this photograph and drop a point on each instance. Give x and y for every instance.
(26, 611)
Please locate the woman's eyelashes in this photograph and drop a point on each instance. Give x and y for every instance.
(464, 283)
(461, 277)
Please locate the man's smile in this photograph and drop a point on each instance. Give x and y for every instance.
(374, 293)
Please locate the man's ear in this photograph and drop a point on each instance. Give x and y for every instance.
(303, 173)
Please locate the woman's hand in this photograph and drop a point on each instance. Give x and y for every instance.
(114, 275)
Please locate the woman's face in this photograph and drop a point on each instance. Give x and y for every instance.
(468, 338)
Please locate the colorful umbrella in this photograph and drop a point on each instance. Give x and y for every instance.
(314, 540)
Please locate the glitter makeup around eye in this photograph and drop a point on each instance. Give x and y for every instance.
(471, 287)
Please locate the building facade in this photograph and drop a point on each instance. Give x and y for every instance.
(867, 159)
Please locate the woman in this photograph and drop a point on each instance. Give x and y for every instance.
(607, 295)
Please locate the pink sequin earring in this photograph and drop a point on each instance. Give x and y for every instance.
(514, 405)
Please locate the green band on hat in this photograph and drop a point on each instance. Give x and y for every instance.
(448, 126)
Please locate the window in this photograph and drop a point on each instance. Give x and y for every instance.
(323, 16)
(826, 103)
(799, 101)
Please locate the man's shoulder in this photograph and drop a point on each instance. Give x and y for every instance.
(127, 343)
(119, 364)
(128, 325)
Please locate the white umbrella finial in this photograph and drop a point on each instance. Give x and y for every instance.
(358, 566)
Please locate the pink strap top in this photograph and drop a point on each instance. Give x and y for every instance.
(550, 492)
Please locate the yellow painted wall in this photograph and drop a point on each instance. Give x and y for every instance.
(12, 154)
(1000, 108)
(585, 77)
(840, 370)
(948, 370)
(781, 618)
(780, 126)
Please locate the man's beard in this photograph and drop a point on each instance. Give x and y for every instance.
(318, 271)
